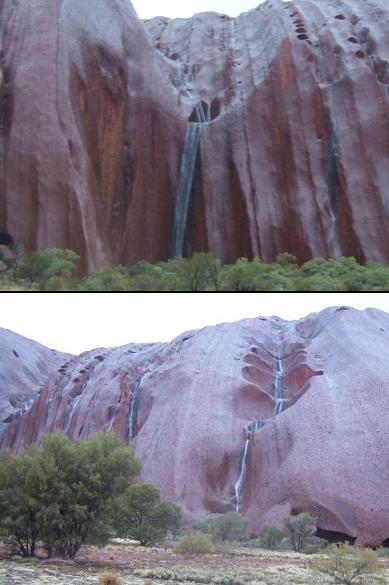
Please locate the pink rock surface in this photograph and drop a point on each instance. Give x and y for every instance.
(187, 405)
(93, 120)
(25, 366)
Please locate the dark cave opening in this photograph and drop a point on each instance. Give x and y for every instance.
(6, 240)
(333, 536)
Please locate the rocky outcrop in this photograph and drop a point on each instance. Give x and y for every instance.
(24, 368)
(293, 152)
(289, 403)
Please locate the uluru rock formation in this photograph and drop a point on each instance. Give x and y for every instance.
(127, 140)
(266, 416)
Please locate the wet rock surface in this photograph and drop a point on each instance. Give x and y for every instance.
(293, 153)
(294, 398)
(24, 369)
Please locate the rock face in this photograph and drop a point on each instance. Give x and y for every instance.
(270, 416)
(292, 155)
(24, 367)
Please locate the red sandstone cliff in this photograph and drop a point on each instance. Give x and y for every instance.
(316, 388)
(93, 117)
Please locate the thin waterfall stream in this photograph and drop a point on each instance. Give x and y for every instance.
(252, 428)
(133, 415)
(3, 427)
(257, 424)
(188, 163)
(278, 386)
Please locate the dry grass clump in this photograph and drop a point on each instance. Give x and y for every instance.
(109, 579)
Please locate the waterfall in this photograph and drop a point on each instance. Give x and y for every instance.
(3, 427)
(135, 401)
(255, 425)
(239, 485)
(278, 387)
(184, 188)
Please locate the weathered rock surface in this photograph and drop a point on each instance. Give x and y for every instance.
(317, 387)
(24, 367)
(294, 157)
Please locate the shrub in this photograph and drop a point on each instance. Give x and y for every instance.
(63, 494)
(142, 516)
(18, 513)
(300, 527)
(109, 279)
(270, 537)
(314, 544)
(195, 543)
(52, 262)
(231, 527)
(206, 524)
(109, 579)
(348, 564)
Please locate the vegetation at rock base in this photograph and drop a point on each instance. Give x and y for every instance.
(228, 527)
(69, 494)
(54, 269)
(300, 528)
(195, 543)
(347, 564)
(140, 515)
(270, 537)
(18, 510)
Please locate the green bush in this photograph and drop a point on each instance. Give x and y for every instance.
(270, 537)
(140, 515)
(195, 543)
(18, 510)
(41, 266)
(52, 269)
(63, 493)
(231, 527)
(314, 544)
(110, 279)
(349, 565)
(300, 528)
(206, 524)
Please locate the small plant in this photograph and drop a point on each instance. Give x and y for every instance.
(300, 528)
(109, 579)
(349, 565)
(195, 543)
(231, 527)
(270, 537)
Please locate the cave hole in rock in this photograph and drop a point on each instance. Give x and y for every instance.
(333, 536)
(340, 17)
(360, 54)
(215, 108)
(301, 30)
(6, 239)
(15, 353)
(302, 37)
(353, 40)
(385, 543)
